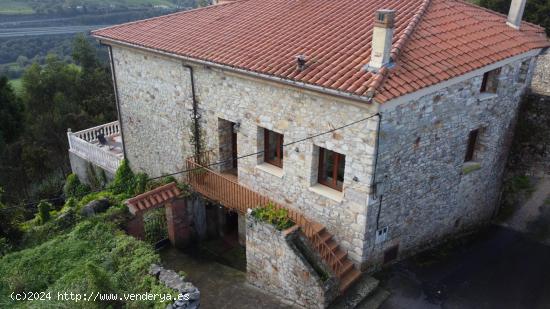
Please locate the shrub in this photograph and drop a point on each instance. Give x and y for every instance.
(140, 184)
(5, 247)
(74, 188)
(94, 256)
(71, 202)
(124, 181)
(44, 212)
(273, 215)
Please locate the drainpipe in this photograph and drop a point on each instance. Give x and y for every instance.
(196, 117)
(373, 182)
(117, 99)
(374, 185)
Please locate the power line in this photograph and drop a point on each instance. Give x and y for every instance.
(211, 164)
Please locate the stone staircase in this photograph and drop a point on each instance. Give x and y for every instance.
(233, 195)
(335, 257)
(364, 294)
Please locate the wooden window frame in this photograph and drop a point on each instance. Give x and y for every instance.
(278, 160)
(337, 159)
(473, 137)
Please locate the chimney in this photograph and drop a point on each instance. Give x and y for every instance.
(382, 36)
(516, 13)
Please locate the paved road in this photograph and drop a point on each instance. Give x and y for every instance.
(18, 32)
(498, 268)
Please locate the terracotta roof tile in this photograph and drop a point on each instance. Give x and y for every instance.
(154, 198)
(433, 41)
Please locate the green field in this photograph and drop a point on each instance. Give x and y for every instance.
(17, 85)
(30, 6)
(15, 7)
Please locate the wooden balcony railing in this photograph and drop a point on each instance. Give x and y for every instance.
(239, 198)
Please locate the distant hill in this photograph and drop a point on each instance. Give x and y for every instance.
(70, 7)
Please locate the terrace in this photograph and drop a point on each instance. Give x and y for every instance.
(88, 145)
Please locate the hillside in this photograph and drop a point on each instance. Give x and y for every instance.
(76, 6)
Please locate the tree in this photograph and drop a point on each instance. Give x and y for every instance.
(11, 113)
(56, 96)
(84, 54)
(536, 11)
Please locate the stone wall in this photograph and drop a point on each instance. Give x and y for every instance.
(276, 265)
(530, 153)
(155, 99)
(155, 102)
(430, 192)
(541, 77)
(81, 167)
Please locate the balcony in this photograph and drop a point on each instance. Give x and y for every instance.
(86, 145)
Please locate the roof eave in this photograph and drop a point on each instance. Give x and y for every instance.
(315, 88)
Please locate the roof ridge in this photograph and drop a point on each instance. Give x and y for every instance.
(398, 47)
(164, 16)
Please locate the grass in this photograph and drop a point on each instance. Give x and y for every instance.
(15, 7)
(94, 256)
(17, 85)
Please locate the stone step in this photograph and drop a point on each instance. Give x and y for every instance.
(347, 266)
(340, 254)
(325, 236)
(332, 244)
(356, 293)
(348, 279)
(375, 300)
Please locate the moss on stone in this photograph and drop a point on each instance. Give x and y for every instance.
(470, 167)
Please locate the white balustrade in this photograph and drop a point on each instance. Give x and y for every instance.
(84, 143)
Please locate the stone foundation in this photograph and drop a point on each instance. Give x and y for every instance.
(81, 167)
(276, 265)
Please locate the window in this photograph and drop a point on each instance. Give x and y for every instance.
(273, 148)
(472, 142)
(523, 70)
(331, 168)
(489, 83)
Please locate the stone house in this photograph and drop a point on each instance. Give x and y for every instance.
(386, 122)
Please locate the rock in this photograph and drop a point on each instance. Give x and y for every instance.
(95, 207)
(193, 304)
(66, 219)
(155, 270)
(190, 293)
(194, 295)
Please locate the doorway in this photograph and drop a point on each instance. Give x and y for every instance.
(228, 147)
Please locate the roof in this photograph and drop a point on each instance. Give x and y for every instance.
(154, 198)
(433, 40)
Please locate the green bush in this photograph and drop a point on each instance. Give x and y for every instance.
(70, 203)
(140, 183)
(44, 212)
(5, 247)
(74, 188)
(124, 181)
(273, 215)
